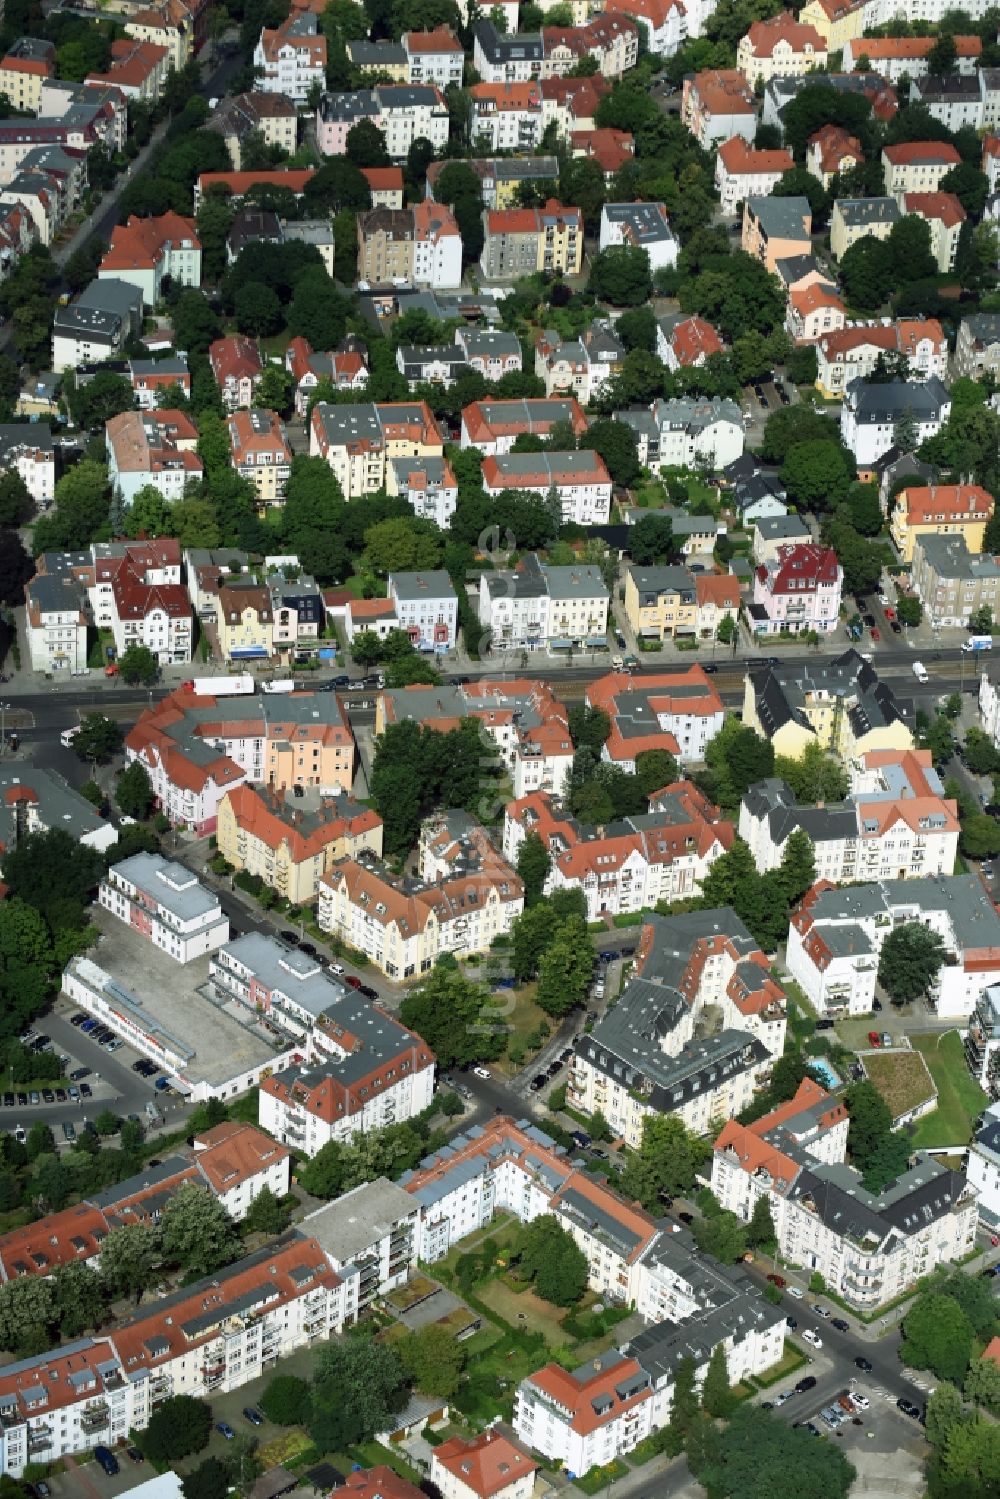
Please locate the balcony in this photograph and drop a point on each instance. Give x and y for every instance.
(95, 1417)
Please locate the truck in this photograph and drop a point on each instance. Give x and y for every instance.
(242, 684)
(920, 671)
(977, 643)
(282, 684)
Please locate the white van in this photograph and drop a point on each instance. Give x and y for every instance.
(68, 735)
(920, 671)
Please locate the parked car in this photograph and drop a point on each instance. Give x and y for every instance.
(253, 1416)
(874, 1038)
(483, 1072)
(86, 1091)
(825, 1024)
(224, 1429)
(863, 1364)
(69, 1130)
(80, 1072)
(840, 1324)
(808, 1383)
(107, 1460)
(777, 1280)
(821, 1311)
(791, 1324)
(812, 1338)
(908, 1408)
(134, 1455)
(794, 1291)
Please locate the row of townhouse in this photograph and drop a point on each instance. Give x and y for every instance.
(404, 112)
(359, 442)
(345, 367)
(293, 180)
(684, 433)
(515, 116)
(852, 351)
(493, 426)
(415, 246)
(233, 1162)
(521, 241)
(669, 602)
(489, 351)
(869, 1247)
(631, 863)
(535, 606)
(894, 57)
(576, 482)
(435, 57)
(404, 925)
(654, 1054)
(526, 724)
(207, 1339)
(839, 705)
(580, 366)
(291, 59)
(47, 187)
(836, 937)
(423, 605)
(896, 823)
(612, 40)
(195, 749)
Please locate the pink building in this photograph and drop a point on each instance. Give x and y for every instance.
(797, 590)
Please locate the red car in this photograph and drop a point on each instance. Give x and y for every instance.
(875, 1038)
(873, 632)
(777, 1280)
(890, 614)
(352, 981)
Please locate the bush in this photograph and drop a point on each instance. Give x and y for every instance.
(286, 1400)
(816, 1282)
(179, 1427)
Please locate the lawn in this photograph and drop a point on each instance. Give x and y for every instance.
(522, 1307)
(518, 1012)
(791, 1359)
(902, 1078)
(960, 1098)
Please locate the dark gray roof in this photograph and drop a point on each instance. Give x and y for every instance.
(857, 212)
(881, 403)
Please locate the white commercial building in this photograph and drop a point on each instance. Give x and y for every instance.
(167, 904)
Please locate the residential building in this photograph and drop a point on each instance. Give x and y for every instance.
(917, 166)
(644, 1057)
(245, 621)
(195, 749)
(895, 57)
(797, 592)
(951, 582)
(97, 326)
(166, 904)
(33, 800)
(436, 57)
(487, 1466)
(291, 59)
(416, 246)
(781, 47)
(506, 116)
(135, 592)
(687, 432)
(854, 219)
(499, 57)
(870, 1248)
(776, 228)
(742, 172)
(538, 607)
(152, 378)
(629, 864)
(772, 532)
(382, 59)
(977, 348)
(145, 251)
(55, 623)
(259, 449)
(579, 480)
(685, 342)
(587, 1418)
(500, 177)
(404, 113)
(152, 448)
(940, 510)
(642, 226)
(181, 26)
(344, 367)
(24, 68)
(667, 22)
(570, 104)
(238, 184)
(525, 723)
(494, 426)
(814, 311)
(839, 704)
(29, 450)
(291, 841)
(386, 184)
(871, 414)
(611, 40)
(403, 926)
(853, 352)
(983, 1161)
(426, 607)
(679, 712)
(944, 216)
(717, 104)
(832, 150)
(237, 367)
(956, 99)
(836, 937)
(240, 116)
(427, 484)
(669, 602)
(489, 351)
(359, 442)
(578, 366)
(896, 823)
(520, 241)
(298, 609)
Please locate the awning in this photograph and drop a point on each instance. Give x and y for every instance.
(249, 653)
(559, 644)
(597, 642)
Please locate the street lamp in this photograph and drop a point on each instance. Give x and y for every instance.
(4, 710)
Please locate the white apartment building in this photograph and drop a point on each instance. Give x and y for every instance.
(426, 607)
(427, 484)
(989, 706)
(983, 1163)
(488, 1466)
(165, 903)
(896, 824)
(643, 1058)
(29, 450)
(871, 413)
(506, 116)
(54, 622)
(868, 1247)
(291, 59)
(238, 1162)
(836, 937)
(538, 607)
(640, 226)
(580, 481)
(742, 172)
(686, 433)
(372, 1233)
(436, 57)
(589, 1418)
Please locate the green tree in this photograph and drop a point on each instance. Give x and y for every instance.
(27, 1312)
(54, 873)
(402, 545)
(760, 1229)
(433, 1360)
(937, 1335)
(655, 769)
(178, 1428)
(910, 961)
(981, 621)
(455, 1017)
(814, 776)
(615, 442)
(867, 273)
(16, 504)
(138, 665)
(265, 1215)
(716, 1393)
(620, 275)
(665, 1164)
(134, 791)
(910, 610)
(982, 1384)
(552, 1260)
(97, 738)
(758, 1454)
(944, 1411)
(533, 865)
(129, 1255)
(565, 970)
(210, 1480)
(358, 1385)
(80, 1299)
(817, 475)
(870, 1121)
(723, 1236)
(197, 1232)
(286, 1400)
(797, 871)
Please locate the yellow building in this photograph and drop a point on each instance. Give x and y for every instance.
(857, 218)
(839, 704)
(837, 21)
(662, 603)
(260, 452)
(941, 510)
(781, 47)
(290, 841)
(359, 441)
(23, 71)
(169, 25)
(245, 623)
(380, 62)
